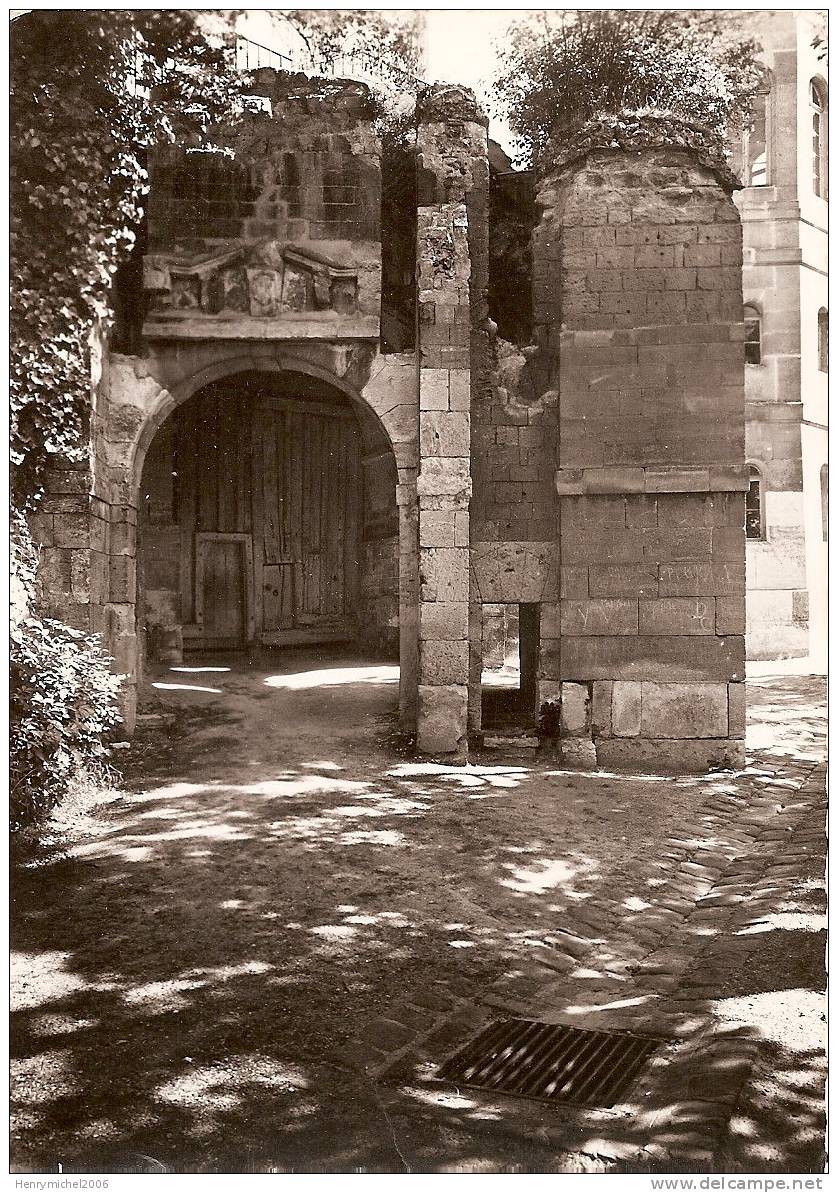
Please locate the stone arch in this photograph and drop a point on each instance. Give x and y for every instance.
(168, 400)
(386, 410)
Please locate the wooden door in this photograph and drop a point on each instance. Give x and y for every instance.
(222, 589)
(310, 502)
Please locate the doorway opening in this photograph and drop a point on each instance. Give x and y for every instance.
(508, 679)
(268, 519)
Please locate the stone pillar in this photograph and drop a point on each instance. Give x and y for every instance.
(639, 294)
(451, 136)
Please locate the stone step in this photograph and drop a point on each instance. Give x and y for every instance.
(511, 741)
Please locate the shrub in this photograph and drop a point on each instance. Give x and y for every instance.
(63, 699)
(564, 69)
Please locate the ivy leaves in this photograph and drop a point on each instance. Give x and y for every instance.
(89, 95)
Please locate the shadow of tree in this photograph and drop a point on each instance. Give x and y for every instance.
(192, 970)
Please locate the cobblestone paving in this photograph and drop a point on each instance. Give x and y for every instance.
(255, 959)
(665, 963)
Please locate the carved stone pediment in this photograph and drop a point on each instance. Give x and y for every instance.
(265, 280)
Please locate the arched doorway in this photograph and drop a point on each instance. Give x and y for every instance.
(267, 517)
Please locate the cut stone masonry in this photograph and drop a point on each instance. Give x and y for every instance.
(596, 476)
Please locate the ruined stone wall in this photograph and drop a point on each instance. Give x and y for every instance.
(637, 267)
(287, 224)
(452, 174)
(87, 539)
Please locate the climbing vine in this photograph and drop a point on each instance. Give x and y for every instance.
(91, 90)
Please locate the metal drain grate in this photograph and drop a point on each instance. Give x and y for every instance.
(549, 1061)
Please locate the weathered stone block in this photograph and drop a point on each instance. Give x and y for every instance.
(613, 479)
(679, 658)
(699, 579)
(443, 621)
(71, 530)
(610, 544)
(80, 575)
(436, 528)
(442, 662)
(642, 510)
(123, 651)
(665, 545)
(574, 583)
(578, 753)
(122, 539)
(443, 575)
(623, 580)
(684, 710)
(678, 615)
(736, 710)
(569, 481)
(441, 719)
(515, 571)
(575, 709)
(444, 433)
(730, 614)
(607, 510)
(461, 529)
(433, 389)
(440, 476)
(41, 529)
(54, 572)
(459, 386)
(601, 708)
(729, 543)
(669, 756)
(119, 619)
(123, 579)
(729, 478)
(599, 617)
(625, 709)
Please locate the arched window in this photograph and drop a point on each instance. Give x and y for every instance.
(825, 501)
(823, 340)
(754, 512)
(753, 334)
(818, 114)
(755, 143)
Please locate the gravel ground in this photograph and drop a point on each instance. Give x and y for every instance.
(191, 958)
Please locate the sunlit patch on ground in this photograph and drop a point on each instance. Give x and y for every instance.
(279, 881)
(184, 687)
(42, 1078)
(791, 921)
(546, 875)
(334, 677)
(40, 978)
(221, 1086)
(792, 1018)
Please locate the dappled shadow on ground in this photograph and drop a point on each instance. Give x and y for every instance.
(272, 878)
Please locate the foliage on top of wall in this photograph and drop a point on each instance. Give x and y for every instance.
(561, 69)
(90, 91)
(638, 131)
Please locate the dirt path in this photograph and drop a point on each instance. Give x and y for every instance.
(273, 875)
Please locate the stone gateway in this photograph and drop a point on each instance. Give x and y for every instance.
(308, 428)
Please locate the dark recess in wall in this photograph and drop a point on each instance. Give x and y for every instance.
(398, 249)
(511, 221)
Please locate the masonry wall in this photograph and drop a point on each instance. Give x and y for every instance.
(452, 271)
(637, 277)
(784, 227)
